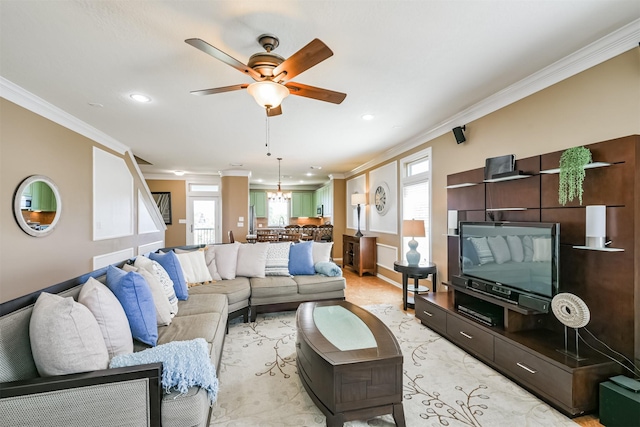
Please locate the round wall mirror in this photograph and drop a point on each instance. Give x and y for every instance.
(37, 205)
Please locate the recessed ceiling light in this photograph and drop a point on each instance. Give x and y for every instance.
(309, 174)
(367, 117)
(316, 167)
(140, 97)
(235, 164)
(259, 180)
(178, 173)
(96, 104)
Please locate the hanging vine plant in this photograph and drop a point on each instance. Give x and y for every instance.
(572, 163)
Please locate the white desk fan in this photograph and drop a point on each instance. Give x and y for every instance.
(572, 312)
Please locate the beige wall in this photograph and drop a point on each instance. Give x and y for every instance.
(598, 104)
(235, 204)
(176, 234)
(33, 145)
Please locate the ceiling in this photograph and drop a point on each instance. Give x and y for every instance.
(414, 65)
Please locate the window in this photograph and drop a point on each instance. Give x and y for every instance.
(278, 215)
(416, 199)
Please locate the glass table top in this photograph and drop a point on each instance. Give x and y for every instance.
(342, 328)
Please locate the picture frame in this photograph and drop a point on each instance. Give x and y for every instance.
(163, 201)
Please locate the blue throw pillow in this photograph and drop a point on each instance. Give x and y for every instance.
(301, 259)
(169, 262)
(136, 299)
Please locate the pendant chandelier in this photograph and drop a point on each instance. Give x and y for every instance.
(279, 195)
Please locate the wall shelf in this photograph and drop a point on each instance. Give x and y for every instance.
(464, 184)
(587, 166)
(589, 248)
(507, 178)
(505, 209)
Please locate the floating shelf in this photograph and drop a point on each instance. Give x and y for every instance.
(508, 178)
(464, 184)
(587, 166)
(589, 248)
(506, 209)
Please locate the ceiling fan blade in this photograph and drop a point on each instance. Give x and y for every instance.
(274, 111)
(219, 89)
(313, 53)
(227, 59)
(316, 93)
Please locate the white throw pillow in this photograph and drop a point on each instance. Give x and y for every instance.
(321, 252)
(541, 249)
(277, 263)
(65, 337)
(110, 316)
(252, 259)
(227, 259)
(194, 267)
(482, 248)
(516, 248)
(160, 300)
(163, 277)
(499, 249)
(210, 260)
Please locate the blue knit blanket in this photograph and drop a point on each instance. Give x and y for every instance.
(328, 269)
(184, 364)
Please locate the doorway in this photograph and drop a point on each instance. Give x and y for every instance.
(203, 216)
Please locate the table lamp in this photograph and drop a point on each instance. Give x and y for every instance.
(413, 228)
(358, 199)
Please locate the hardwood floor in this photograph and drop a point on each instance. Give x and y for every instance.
(368, 290)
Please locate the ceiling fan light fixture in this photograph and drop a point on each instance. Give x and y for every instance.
(268, 94)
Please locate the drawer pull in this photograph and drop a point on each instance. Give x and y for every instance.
(427, 313)
(466, 335)
(526, 368)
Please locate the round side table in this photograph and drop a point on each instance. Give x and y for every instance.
(415, 272)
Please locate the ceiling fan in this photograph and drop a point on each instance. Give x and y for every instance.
(272, 73)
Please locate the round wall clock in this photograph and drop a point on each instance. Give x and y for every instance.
(381, 200)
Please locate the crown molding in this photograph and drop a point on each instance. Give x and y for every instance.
(333, 176)
(609, 46)
(19, 96)
(235, 172)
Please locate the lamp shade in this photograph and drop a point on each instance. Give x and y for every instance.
(267, 93)
(596, 226)
(358, 199)
(452, 220)
(413, 227)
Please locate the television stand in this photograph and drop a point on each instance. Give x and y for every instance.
(518, 346)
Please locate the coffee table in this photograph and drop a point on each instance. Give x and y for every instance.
(349, 362)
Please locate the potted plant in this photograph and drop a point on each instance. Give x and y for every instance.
(572, 163)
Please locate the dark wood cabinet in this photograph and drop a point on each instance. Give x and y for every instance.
(523, 344)
(359, 253)
(530, 357)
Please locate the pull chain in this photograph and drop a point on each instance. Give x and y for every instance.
(268, 143)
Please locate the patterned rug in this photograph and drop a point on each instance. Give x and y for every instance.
(443, 385)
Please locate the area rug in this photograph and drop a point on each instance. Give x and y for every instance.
(443, 385)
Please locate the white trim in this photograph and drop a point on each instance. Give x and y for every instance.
(333, 176)
(174, 177)
(609, 46)
(235, 172)
(150, 247)
(154, 211)
(386, 279)
(392, 252)
(35, 104)
(104, 260)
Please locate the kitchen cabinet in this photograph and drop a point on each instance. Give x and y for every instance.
(302, 204)
(42, 197)
(258, 199)
(324, 197)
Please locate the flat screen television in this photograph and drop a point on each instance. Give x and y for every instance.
(511, 260)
